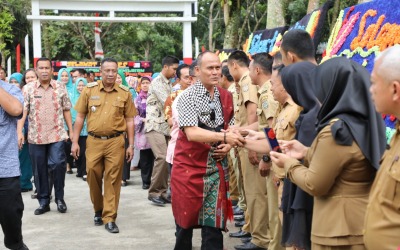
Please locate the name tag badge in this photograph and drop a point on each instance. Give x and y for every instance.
(205, 113)
(95, 97)
(37, 96)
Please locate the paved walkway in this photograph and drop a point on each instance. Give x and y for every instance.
(142, 225)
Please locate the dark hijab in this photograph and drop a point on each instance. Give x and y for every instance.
(298, 82)
(297, 205)
(342, 86)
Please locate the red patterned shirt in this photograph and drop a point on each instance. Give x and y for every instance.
(45, 109)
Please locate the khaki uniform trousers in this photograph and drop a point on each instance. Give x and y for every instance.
(233, 179)
(275, 225)
(239, 179)
(255, 187)
(159, 177)
(105, 158)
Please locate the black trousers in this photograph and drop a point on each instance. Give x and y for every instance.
(67, 149)
(11, 210)
(81, 162)
(47, 157)
(146, 163)
(211, 238)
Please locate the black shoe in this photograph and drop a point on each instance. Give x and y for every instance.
(248, 246)
(239, 223)
(42, 209)
(145, 186)
(24, 190)
(61, 206)
(97, 219)
(111, 227)
(70, 172)
(157, 201)
(245, 239)
(78, 175)
(167, 199)
(239, 234)
(238, 217)
(124, 183)
(23, 247)
(237, 211)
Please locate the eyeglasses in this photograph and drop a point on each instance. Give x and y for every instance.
(211, 104)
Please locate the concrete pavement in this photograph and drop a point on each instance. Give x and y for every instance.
(142, 225)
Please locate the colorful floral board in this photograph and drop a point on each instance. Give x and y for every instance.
(361, 32)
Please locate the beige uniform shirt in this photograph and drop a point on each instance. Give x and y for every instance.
(382, 221)
(106, 111)
(339, 177)
(267, 106)
(284, 127)
(247, 92)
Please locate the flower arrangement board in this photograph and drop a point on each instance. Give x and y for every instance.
(361, 32)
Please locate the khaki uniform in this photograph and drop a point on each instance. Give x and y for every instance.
(235, 179)
(106, 113)
(284, 127)
(382, 220)
(340, 178)
(256, 216)
(266, 109)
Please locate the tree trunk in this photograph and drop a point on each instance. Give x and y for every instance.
(335, 14)
(275, 17)
(312, 5)
(232, 20)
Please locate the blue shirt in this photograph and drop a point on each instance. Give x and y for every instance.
(9, 162)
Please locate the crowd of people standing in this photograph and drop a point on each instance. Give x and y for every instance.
(203, 144)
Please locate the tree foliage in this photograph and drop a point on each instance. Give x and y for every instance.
(220, 24)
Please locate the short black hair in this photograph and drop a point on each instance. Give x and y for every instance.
(169, 60)
(80, 70)
(225, 72)
(192, 67)
(43, 59)
(264, 61)
(180, 67)
(298, 42)
(240, 58)
(108, 59)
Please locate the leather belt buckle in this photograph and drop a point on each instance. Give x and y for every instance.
(104, 137)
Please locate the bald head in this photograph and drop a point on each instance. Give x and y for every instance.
(387, 64)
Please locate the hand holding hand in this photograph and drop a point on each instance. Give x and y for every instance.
(234, 139)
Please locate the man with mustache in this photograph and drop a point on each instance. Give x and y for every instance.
(47, 106)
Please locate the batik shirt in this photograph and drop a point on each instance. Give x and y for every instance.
(159, 90)
(45, 109)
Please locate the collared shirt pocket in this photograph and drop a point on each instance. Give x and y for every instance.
(94, 106)
(118, 108)
(391, 185)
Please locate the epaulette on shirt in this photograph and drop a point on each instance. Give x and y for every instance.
(92, 84)
(124, 87)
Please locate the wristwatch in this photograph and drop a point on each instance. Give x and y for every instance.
(266, 158)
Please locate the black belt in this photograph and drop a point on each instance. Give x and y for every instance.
(106, 137)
